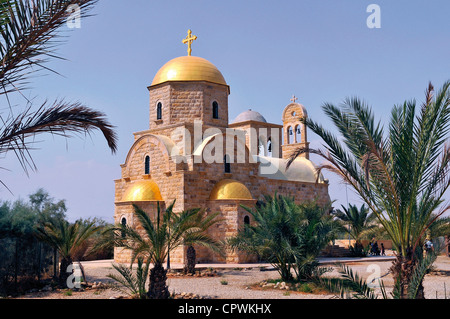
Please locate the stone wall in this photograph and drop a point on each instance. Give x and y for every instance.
(187, 101)
(190, 183)
(126, 210)
(263, 131)
(345, 243)
(231, 220)
(162, 171)
(289, 149)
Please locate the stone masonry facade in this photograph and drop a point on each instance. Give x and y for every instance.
(175, 148)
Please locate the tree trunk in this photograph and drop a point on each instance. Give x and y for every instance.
(190, 260)
(168, 260)
(16, 263)
(39, 262)
(55, 264)
(84, 279)
(63, 274)
(402, 269)
(157, 286)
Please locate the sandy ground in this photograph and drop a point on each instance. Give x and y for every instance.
(241, 283)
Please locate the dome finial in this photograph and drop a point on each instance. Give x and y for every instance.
(188, 40)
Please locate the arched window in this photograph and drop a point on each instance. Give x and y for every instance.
(147, 165)
(227, 165)
(246, 220)
(124, 223)
(290, 133)
(298, 134)
(159, 111)
(215, 107)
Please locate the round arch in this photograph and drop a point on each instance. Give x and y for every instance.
(165, 145)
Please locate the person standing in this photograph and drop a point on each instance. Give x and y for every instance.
(428, 246)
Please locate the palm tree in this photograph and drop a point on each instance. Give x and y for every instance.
(198, 235)
(28, 33)
(272, 236)
(439, 228)
(359, 222)
(68, 239)
(352, 286)
(132, 283)
(317, 229)
(402, 176)
(287, 235)
(161, 236)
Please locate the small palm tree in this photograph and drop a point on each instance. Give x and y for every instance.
(401, 176)
(287, 235)
(68, 239)
(161, 236)
(198, 235)
(317, 229)
(132, 283)
(273, 235)
(358, 223)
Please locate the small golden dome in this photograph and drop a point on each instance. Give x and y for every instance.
(139, 191)
(189, 68)
(230, 189)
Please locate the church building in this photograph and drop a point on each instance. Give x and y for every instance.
(194, 154)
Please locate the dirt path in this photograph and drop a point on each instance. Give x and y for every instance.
(241, 283)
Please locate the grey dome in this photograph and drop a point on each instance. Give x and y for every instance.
(249, 116)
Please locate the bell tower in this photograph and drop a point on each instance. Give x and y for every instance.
(294, 131)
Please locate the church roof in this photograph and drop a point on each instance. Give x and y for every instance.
(144, 190)
(249, 116)
(301, 169)
(230, 189)
(189, 68)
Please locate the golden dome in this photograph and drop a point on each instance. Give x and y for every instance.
(189, 68)
(139, 191)
(230, 189)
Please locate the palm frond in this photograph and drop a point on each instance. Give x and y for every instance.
(61, 119)
(29, 36)
(126, 280)
(358, 285)
(133, 284)
(420, 270)
(67, 238)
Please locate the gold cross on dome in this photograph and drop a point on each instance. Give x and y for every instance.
(294, 99)
(189, 39)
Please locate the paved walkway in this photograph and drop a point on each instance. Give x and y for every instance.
(323, 260)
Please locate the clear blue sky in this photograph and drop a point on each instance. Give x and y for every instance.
(319, 50)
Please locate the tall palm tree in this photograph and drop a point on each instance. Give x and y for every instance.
(160, 236)
(401, 177)
(68, 239)
(359, 221)
(29, 35)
